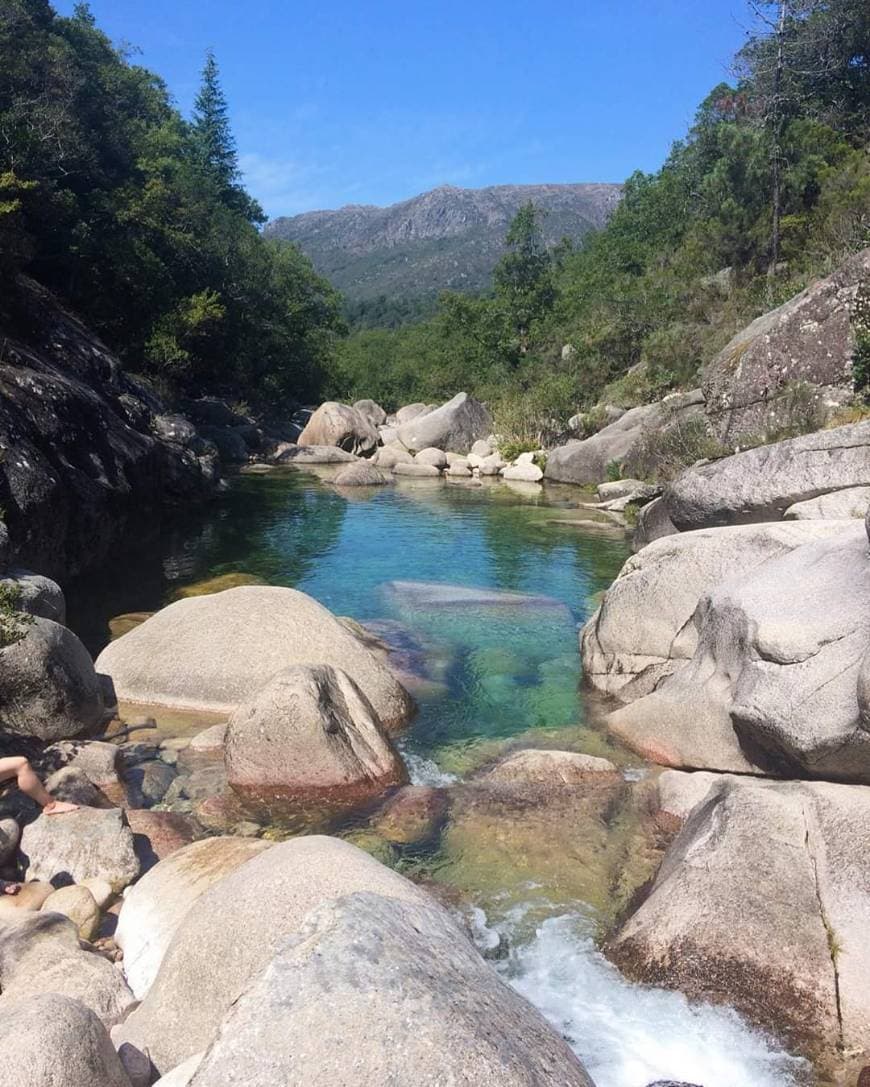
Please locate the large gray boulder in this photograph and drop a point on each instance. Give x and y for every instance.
(35, 594)
(372, 411)
(807, 343)
(643, 629)
(456, 426)
(761, 484)
(340, 425)
(774, 682)
(410, 412)
(851, 502)
(41, 953)
(362, 474)
(52, 1040)
(385, 992)
(48, 686)
(310, 737)
(233, 931)
(156, 905)
(762, 902)
(586, 462)
(212, 652)
(85, 844)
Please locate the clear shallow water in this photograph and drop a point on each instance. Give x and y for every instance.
(494, 674)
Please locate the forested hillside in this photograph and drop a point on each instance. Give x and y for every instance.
(769, 188)
(136, 217)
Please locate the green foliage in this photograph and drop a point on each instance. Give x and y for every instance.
(665, 452)
(13, 621)
(510, 448)
(613, 471)
(136, 217)
(861, 331)
(639, 307)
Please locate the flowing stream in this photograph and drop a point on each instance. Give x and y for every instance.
(422, 564)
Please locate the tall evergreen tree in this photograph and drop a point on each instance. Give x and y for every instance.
(211, 126)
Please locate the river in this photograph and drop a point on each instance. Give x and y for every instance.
(418, 562)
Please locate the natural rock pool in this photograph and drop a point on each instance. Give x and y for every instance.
(479, 593)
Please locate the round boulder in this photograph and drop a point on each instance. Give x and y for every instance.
(310, 736)
(368, 409)
(48, 686)
(342, 426)
(232, 932)
(214, 652)
(53, 1039)
(156, 905)
(361, 474)
(436, 457)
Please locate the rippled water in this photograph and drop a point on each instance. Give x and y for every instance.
(488, 673)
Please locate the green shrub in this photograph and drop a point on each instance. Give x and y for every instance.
(511, 448)
(13, 621)
(861, 332)
(613, 471)
(664, 453)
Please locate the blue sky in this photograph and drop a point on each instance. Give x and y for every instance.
(372, 101)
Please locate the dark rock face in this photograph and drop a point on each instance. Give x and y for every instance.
(79, 456)
(749, 386)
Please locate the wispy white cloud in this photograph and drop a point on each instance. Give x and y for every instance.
(282, 186)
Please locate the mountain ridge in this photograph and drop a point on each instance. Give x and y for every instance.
(446, 238)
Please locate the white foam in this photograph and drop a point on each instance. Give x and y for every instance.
(423, 771)
(630, 1035)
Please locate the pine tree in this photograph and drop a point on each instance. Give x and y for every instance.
(211, 127)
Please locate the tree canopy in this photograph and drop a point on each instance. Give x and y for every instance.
(137, 218)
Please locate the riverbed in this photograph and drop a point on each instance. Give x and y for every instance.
(425, 566)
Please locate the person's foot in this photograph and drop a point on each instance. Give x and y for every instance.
(59, 807)
(9, 888)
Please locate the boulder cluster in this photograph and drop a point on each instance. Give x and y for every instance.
(420, 441)
(140, 949)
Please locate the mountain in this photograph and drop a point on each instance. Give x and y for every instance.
(446, 238)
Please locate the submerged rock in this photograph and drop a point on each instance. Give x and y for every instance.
(361, 475)
(232, 932)
(310, 737)
(351, 974)
(213, 652)
(415, 814)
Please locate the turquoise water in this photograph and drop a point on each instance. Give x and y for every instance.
(487, 669)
